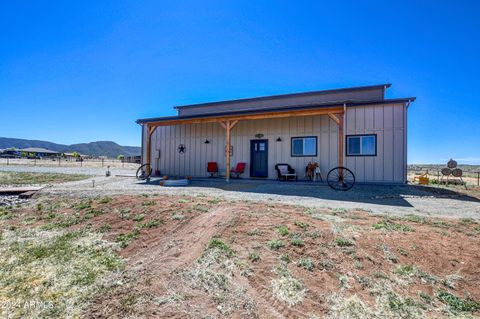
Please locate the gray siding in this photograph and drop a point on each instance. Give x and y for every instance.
(166, 139)
(387, 121)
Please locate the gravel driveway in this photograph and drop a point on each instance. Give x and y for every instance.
(399, 200)
(66, 170)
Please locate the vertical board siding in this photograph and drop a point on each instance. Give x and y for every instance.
(387, 121)
(198, 154)
(389, 124)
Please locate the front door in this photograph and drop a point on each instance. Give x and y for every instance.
(259, 158)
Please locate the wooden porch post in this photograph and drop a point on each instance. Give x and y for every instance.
(341, 140)
(228, 125)
(339, 119)
(150, 130)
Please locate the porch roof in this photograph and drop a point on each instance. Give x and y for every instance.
(327, 107)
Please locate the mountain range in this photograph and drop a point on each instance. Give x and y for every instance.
(99, 148)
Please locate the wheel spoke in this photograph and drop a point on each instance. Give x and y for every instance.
(340, 178)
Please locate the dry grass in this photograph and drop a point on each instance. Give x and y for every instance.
(271, 260)
(24, 178)
(57, 271)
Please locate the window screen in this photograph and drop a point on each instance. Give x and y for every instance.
(304, 146)
(362, 145)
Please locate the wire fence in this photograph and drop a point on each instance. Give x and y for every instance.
(470, 176)
(62, 162)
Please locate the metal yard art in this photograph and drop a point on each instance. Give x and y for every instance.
(452, 171)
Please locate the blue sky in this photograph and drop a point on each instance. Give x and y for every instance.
(79, 71)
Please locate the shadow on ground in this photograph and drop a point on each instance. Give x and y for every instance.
(392, 195)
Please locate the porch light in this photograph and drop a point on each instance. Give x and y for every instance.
(279, 139)
(207, 141)
(259, 135)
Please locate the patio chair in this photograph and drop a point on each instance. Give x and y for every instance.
(239, 169)
(212, 168)
(285, 171)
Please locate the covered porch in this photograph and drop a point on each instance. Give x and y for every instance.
(243, 127)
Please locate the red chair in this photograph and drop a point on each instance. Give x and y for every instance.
(239, 169)
(212, 168)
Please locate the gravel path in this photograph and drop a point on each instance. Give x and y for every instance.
(66, 170)
(399, 200)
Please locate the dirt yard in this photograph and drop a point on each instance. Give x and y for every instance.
(171, 256)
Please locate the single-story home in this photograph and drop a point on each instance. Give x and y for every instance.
(38, 152)
(355, 127)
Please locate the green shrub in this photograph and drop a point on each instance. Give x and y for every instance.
(105, 200)
(343, 242)
(253, 256)
(297, 241)
(138, 217)
(458, 304)
(151, 224)
(275, 244)
(306, 263)
(217, 243)
(405, 270)
(282, 230)
(388, 225)
(148, 203)
(125, 239)
(301, 224)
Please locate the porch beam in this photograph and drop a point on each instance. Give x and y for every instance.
(334, 118)
(269, 115)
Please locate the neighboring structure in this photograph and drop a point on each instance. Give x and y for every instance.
(38, 152)
(353, 127)
(75, 156)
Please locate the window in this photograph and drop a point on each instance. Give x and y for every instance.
(304, 146)
(362, 145)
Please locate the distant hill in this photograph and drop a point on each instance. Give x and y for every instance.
(100, 148)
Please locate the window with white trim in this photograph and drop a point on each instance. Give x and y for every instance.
(362, 145)
(304, 146)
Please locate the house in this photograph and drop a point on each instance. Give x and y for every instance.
(73, 156)
(38, 152)
(356, 127)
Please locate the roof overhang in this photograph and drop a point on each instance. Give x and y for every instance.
(278, 112)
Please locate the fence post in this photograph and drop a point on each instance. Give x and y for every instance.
(478, 178)
(102, 161)
(7, 161)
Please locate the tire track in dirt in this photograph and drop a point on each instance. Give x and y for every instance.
(182, 244)
(190, 238)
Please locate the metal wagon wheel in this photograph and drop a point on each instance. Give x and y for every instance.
(144, 172)
(340, 179)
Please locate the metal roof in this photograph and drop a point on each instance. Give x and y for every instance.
(347, 103)
(262, 98)
(37, 150)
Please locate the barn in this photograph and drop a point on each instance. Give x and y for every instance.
(357, 128)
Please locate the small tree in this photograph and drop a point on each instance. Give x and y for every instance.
(120, 157)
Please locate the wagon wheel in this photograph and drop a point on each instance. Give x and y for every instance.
(340, 178)
(144, 172)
